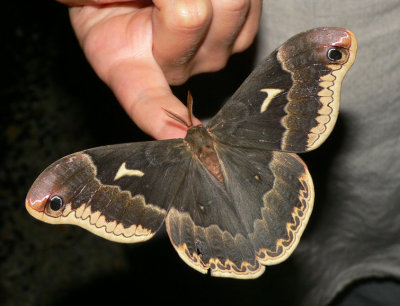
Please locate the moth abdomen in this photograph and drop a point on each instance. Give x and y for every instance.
(202, 146)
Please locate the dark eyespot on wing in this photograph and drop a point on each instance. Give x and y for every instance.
(127, 207)
(306, 72)
(56, 203)
(334, 54)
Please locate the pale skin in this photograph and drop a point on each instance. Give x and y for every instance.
(140, 48)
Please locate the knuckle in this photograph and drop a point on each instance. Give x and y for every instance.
(191, 15)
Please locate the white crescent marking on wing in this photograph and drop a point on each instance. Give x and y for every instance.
(123, 171)
(272, 93)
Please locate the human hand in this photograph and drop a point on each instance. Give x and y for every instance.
(139, 48)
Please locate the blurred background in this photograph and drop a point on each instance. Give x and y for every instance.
(52, 104)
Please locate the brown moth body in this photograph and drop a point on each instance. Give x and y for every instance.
(202, 146)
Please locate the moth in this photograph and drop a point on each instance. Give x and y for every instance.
(234, 195)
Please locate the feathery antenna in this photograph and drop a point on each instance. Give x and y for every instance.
(190, 113)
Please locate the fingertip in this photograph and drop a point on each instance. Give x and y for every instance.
(143, 92)
(151, 116)
(169, 129)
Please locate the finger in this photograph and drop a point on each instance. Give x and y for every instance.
(228, 18)
(179, 27)
(250, 28)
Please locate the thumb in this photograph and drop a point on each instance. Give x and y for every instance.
(126, 63)
(144, 93)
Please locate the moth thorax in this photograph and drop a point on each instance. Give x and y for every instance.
(197, 138)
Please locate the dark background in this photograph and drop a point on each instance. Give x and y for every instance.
(52, 104)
